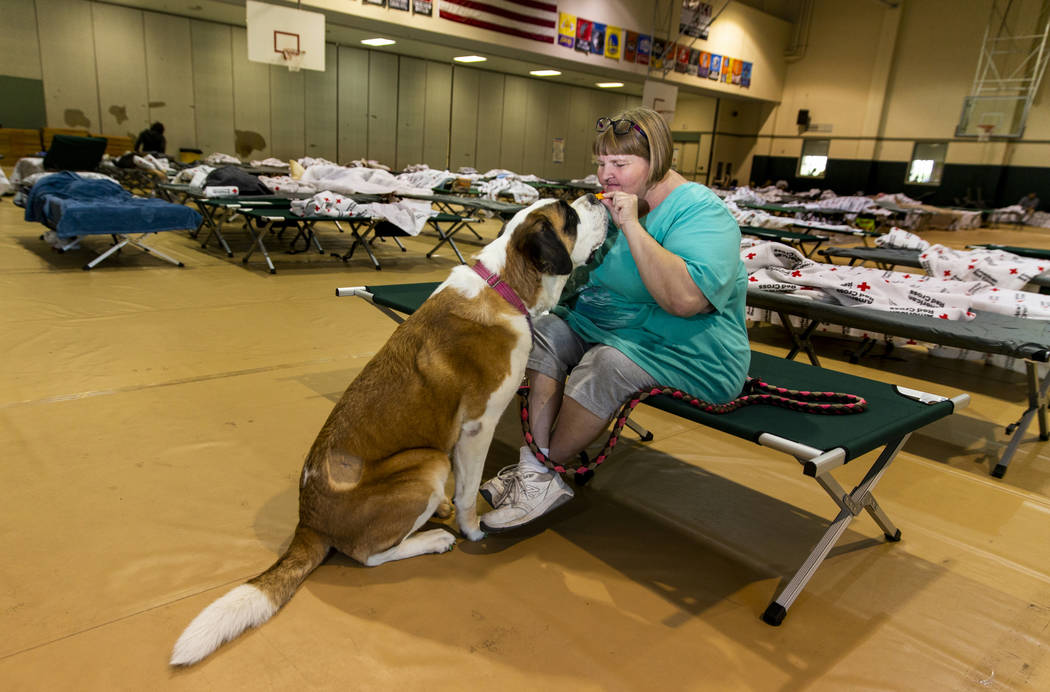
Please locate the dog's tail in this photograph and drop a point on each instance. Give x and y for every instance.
(252, 603)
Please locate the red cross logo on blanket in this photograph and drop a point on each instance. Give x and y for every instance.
(1014, 270)
(751, 255)
(947, 272)
(796, 273)
(944, 316)
(863, 286)
(753, 278)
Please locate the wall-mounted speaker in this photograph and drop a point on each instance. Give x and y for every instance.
(803, 118)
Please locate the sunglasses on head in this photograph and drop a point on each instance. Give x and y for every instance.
(619, 127)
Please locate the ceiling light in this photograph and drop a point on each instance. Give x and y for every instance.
(544, 73)
(608, 85)
(470, 58)
(378, 42)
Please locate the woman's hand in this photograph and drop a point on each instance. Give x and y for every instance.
(623, 206)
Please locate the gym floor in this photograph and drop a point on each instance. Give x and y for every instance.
(154, 419)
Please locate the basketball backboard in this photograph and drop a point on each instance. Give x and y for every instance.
(999, 116)
(285, 36)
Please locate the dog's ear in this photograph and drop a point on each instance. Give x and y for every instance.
(545, 249)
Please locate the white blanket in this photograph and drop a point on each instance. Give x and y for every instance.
(409, 215)
(350, 181)
(782, 269)
(994, 267)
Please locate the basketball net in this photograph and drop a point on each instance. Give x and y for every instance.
(985, 134)
(293, 58)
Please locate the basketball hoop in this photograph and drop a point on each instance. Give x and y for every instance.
(985, 134)
(293, 59)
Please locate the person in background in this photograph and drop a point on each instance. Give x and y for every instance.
(662, 303)
(1030, 203)
(151, 140)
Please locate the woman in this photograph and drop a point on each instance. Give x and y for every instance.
(663, 304)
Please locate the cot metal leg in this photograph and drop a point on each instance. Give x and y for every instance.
(257, 241)
(1036, 408)
(850, 505)
(360, 239)
(801, 342)
(113, 248)
(71, 245)
(316, 240)
(137, 242)
(446, 237)
(646, 435)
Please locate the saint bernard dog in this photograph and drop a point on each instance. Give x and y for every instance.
(426, 405)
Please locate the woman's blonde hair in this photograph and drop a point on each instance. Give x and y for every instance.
(655, 146)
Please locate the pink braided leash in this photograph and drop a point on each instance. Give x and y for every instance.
(755, 392)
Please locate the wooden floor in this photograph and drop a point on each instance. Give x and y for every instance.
(153, 421)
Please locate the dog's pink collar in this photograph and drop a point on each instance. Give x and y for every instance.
(496, 282)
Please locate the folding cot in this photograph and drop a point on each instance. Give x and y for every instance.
(795, 211)
(1033, 252)
(444, 224)
(464, 206)
(792, 238)
(73, 207)
(217, 211)
(992, 333)
(820, 443)
(259, 221)
(563, 189)
(890, 257)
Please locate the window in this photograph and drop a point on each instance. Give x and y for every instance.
(927, 163)
(814, 158)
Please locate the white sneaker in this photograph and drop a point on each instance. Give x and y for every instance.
(527, 495)
(494, 490)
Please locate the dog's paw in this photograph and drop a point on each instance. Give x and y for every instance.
(444, 510)
(473, 533)
(439, 540)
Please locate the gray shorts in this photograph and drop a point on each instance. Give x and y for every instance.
(598, 377)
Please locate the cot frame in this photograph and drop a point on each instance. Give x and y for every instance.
(120, 240)
(801, 339)
(817, 464)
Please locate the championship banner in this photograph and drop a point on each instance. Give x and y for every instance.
(630, 46)
(597, 38)
(613, 42)
(645, 46)
(566, 29)
(584, 27)
(682, 60)
(659, 47)
(704, 68)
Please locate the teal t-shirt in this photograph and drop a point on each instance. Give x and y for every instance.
(706, 355)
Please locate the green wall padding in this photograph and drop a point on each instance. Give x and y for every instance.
(22, 103)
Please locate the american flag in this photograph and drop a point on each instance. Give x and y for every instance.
(525, 18)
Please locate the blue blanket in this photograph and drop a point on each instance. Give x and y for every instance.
(74, 206)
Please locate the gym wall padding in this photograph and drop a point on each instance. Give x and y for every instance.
(995, 186)
(23, 103)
